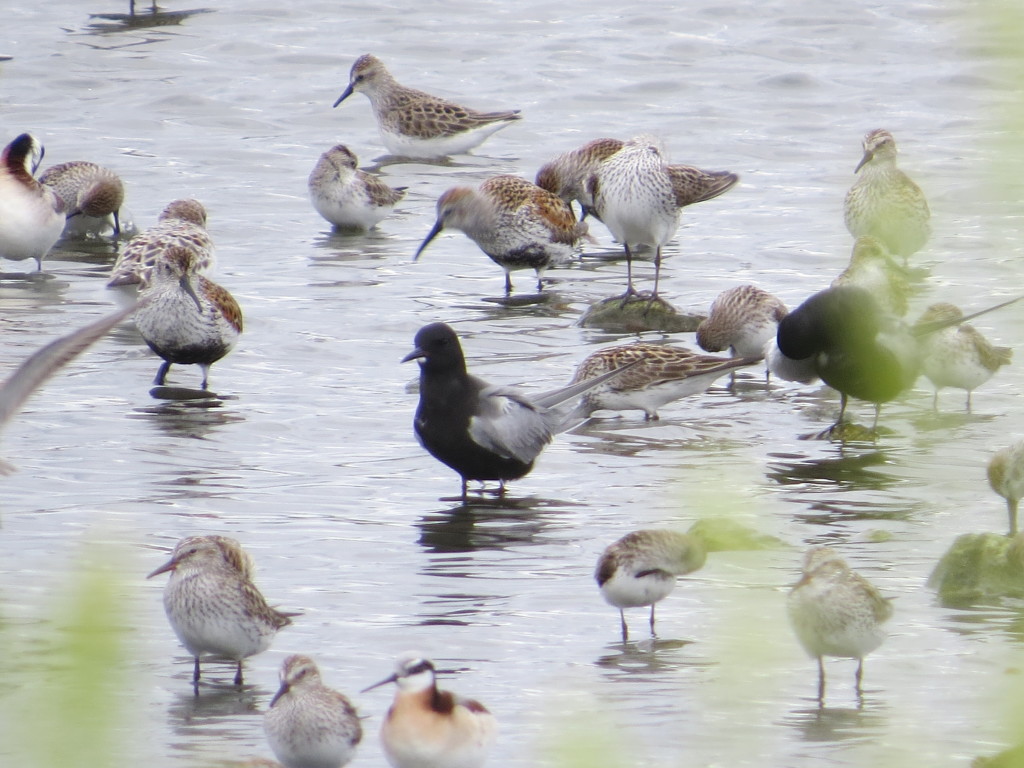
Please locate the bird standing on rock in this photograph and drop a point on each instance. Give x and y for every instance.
(639, 198)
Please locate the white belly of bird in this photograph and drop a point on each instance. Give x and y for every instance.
(28, 224)
(624, 590)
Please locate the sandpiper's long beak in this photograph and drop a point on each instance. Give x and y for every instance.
(170, 565)
(414, 355)
(186, 286)
(433, 233)
(385, 681)
(280, 692)
(348, 92)
(866, 159)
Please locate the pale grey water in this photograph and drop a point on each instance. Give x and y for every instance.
(314, 467)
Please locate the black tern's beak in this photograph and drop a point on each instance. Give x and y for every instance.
(348, 92)
(416, 354)
(866, 159)
(186, 286)
(280, 692)
(385, 681)
(170, 565)
(433, 233)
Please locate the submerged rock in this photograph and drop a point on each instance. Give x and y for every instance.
(638, 313)
(980, 567)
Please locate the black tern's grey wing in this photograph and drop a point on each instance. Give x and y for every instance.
(553, 397)
(926, 328)
(41, 365)
(509, 424)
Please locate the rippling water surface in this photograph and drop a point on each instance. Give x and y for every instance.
(311, 463)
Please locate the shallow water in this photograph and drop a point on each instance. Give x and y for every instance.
(312, 463)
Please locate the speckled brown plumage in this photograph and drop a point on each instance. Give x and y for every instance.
(182, 224)
(415, 124)
(516, 223)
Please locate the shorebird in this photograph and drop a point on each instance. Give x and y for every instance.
(427, 727)
(482, 431)
(187, 319)
(567, 175)
(742, 319)
(1006, 476)
(415, 124)
(641, 569)
(516, 223)
(835, 611)
(309, 725)
(346, 196)
(659, 375)
(45, 362)
(182, 224)
(639, 198)
(871, 267)
(884, 202)
(212, 604)
(31, 214)
(959, 355)
(89, 191)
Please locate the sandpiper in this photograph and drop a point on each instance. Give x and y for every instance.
(182, 224)
(415, 124)
(957, 356)
(884, 202)
(1006, 476)
(659, 374)
(31, 214)
(187, 319)
(742, 319)
(639, 197)
(309, 725)
(567, 175)
(213, 606)
(836, 612)
(516, 223)
(641, 569)
(346, 196)
(45, 362)
(871, 267)
(427, 727)
(483, 432)
(91, 193)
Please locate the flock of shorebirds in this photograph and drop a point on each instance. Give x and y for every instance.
(852, 336)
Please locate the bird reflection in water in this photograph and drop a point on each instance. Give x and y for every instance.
(189, 418)
(487, 524)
